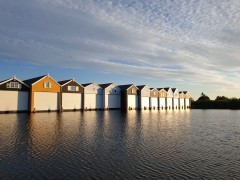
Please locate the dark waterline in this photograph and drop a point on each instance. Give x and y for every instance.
(188, 144)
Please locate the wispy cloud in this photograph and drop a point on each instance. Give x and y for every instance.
(188, 41)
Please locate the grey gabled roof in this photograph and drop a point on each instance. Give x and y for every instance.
(166, 88)
(174, 89)
(159, 89)
(140, 87)
(29, 82)
(87, 84)
(64, 82)
(104, 86)
(125, 87)
(153, 89)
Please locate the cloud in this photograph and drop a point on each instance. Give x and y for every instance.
(195, 42)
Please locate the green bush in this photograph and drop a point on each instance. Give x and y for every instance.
(221, 102)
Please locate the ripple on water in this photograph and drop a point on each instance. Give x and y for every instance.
(192, 144)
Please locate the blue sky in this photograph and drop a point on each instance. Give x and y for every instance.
(189, 44)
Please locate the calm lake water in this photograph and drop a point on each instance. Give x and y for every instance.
(190, 144)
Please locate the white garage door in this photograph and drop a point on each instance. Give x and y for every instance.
(71, 101)
(181, 103)
(132, 101)
(90, 101)
(13, 101)
(169, 103)
(145, 102)
(45, 101)
(99, 101)
(154, 102)
(176, 103)
(162, 102)
(113, 101)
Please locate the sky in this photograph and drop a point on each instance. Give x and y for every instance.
(188, 44)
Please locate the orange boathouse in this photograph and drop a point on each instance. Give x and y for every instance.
(44, 94)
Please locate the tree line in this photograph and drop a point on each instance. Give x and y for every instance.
(221, 102)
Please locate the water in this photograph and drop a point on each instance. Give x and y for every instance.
(191, 144)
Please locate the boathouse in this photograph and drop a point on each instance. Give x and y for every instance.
(129, 96)
(93, 96)
(111, 96)
(14, 96)
(175, 98)
(154, 98)
(162, 96)
(169, 101)
(187, 100)
(44, 94)
(143, 97)
(71, 95)
(181, 100)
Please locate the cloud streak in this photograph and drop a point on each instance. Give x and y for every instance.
(195, 42)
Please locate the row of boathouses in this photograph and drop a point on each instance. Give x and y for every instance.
(45, 94)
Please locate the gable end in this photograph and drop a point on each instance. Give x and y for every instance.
(13, 84)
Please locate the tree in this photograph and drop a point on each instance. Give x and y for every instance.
(191, 99)
(234, 98)
(221, 98)
(203, 97)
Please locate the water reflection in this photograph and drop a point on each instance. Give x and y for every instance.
(45, 132)
(8, 135)
(116, 144)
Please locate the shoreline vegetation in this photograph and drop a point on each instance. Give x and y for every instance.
(221, 102)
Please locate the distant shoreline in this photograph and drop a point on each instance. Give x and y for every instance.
(233, 104)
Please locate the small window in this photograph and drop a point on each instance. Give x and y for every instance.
(154, 93)
(115, 90)
(133, 90)
(47, 85)
(14, 85)
(73, 88)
